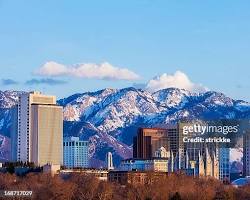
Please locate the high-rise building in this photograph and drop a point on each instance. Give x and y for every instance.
(13, 133)
(40, 129)
(148, 141)
(167, 142)
(246, 154)
(75, 152)
(109, 161)
(224, 163)
(175, 138)
(192, 150)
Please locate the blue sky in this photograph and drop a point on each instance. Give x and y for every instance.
(208, 41)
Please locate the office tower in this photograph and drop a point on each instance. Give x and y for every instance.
(175, 138)
(40, 129)
(199, 159)
(193, 149)
(246, 153)
(13, 133)
(224, 164)
(176, 145)
(75, 152)
(148, 141)
(109, 161)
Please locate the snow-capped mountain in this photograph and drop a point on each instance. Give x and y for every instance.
(118, 113)
(8, 98)
(109, 118)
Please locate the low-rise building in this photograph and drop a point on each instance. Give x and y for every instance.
(101, 174)
(154, 164)
(51, 169)
(135, 177)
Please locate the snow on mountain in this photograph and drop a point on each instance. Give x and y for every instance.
(109, 118)
(242, 105)
(215, 98)
(173, 97)
(113, 112)
(4, 148)
(110, 109)
(77, 104)
(8, 98)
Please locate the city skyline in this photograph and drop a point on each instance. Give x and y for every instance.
(144, 38)
(135, 99)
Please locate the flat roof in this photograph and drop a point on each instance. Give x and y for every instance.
(153, 158)
(38, 104)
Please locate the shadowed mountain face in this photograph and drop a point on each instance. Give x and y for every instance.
(109, 118)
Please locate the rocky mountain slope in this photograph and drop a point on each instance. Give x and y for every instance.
(109, 118)
(112, 116)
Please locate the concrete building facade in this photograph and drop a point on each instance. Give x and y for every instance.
(40, 129)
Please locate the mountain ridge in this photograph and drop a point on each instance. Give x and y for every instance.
(109, 118)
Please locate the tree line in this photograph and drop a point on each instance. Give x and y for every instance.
(80, 186)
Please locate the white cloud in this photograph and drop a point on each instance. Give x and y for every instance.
(52, 69)
(87, 70)
(178, 80)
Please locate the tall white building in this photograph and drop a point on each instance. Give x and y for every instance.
(109, 161)
(75, 152)
(40, 129)
(13, 133)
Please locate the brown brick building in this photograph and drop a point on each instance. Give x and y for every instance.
(148, 141)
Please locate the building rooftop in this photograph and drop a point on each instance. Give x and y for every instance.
(153, 128)
(35, 92)
(73, 139)
(153, 158)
